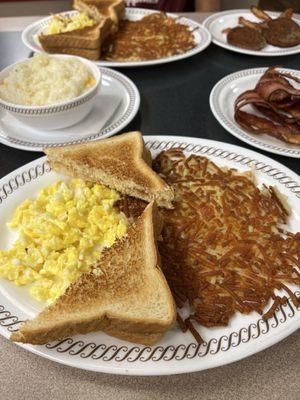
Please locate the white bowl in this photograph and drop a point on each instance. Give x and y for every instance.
(60, 115)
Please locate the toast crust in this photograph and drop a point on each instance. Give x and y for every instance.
(125, 295)
(122, 163)
(86, 42)
(87, 38)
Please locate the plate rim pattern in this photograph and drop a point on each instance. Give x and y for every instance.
(126, 118)
(278, 52)
(177, 352)
(235, 129)
(205, 41)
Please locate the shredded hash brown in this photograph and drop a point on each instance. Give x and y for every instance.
(154, 36)
(224, 249)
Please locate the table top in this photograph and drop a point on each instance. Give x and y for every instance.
(174, 101)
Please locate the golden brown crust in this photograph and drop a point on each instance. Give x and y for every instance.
(86, 38)
(121, 163)
(116, 328)
(68, 331)
(125, 294)
(89, 38)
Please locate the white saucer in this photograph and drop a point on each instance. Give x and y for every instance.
(222, 99)
(117, 103)
(217, 22)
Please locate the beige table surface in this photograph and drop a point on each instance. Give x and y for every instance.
(270, 375)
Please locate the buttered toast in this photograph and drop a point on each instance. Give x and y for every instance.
(125, 294)
(122, 163)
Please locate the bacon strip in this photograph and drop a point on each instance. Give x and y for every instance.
(274, 87)
(260, 13)
(288, 13)
(275, 98)
(250, 24)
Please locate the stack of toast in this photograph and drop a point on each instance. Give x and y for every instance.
(125, 294)
(88, 41)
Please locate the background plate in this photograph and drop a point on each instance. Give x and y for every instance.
(222, 99)
(229, 19)
(113, 84)
(177, 352)
(201, 35)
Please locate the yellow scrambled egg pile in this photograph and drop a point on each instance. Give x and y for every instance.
(60, 24)
(60, 236)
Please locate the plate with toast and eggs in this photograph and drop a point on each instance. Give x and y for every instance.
(114, 36)
(149, 255)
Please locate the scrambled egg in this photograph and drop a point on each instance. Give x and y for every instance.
(60, 236)
(60, 24)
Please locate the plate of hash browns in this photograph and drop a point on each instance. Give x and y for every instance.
(229, 250)
(143, 37)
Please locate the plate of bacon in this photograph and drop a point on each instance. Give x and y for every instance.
(256, 32)
(261, 107)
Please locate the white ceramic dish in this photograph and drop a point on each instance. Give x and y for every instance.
(222, 99)
(217, 22)
(201, 35)
(115, 106)
(177, 352)
(60, 115)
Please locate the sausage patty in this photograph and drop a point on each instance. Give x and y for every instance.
(282, 32)
(246, 38)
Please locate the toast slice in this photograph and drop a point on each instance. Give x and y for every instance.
(114, 9)
(122, 163)
(125, 295)
(86, 38)
(86, 42)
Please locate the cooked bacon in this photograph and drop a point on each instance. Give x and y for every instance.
(250, 24)
(274, 87)
(224, 249)
(255, 124)
(260, 13)
(278, 100)
(288, 13)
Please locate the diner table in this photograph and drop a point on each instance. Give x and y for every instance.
(174, 101)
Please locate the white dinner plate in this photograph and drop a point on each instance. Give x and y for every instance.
(177, 352)
(201, 35)
(117, 103)
(217, 22)
(222, 99)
